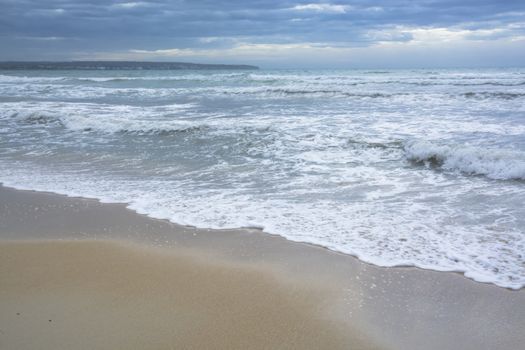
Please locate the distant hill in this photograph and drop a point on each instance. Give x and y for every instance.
(119, 65)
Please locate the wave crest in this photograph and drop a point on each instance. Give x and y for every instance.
(163, 132)
(494, 164)
(495, 95)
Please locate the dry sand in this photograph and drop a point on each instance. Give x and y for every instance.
(78, 274)
(110, 295)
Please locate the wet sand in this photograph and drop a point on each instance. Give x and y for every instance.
(78, 274)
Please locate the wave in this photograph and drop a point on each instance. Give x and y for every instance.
(160, 120)
(332, 92)
(31, 117)
(437, 82)
(379, 145)
(301, 92)
(24, 79)
(80, 123)
(493, 83)
(494, 164)
(115, 79)
(493, 95)
(162, 132)
(185, 78)
(37, 118)
(104, 80)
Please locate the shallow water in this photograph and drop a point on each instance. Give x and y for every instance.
(397, 167)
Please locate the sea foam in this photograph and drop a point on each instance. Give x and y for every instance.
(495, 164)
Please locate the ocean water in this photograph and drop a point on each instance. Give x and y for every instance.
(397, 167)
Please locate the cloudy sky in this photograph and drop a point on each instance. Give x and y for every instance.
(269, 33)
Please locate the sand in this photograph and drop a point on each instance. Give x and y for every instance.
(113, 295)
(78, 274)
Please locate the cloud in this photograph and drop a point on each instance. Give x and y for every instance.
(42, 38)
(238, 50)
(271, 28)
(47, 12)
(130, 5)
(322, 8)
(424, 36)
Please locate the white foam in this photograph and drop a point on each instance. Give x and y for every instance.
(102, 117)
(400, 228)
(25, 79)
(495, 164)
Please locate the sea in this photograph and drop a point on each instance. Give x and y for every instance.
(420, 167)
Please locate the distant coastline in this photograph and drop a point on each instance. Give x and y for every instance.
(118, 65)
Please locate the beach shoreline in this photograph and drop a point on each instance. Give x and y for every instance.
(337, 299)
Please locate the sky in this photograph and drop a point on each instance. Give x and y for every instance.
(269, 33)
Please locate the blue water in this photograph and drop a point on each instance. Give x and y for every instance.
(397, 167)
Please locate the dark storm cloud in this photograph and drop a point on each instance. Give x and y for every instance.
(61, 27)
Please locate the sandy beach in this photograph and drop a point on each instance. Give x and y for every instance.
(78, 274)
(108, 295)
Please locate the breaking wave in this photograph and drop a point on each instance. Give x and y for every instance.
(122, 119)
(495, 95)
(494, 164)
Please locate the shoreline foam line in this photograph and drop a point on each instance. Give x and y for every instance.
(332, 248)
